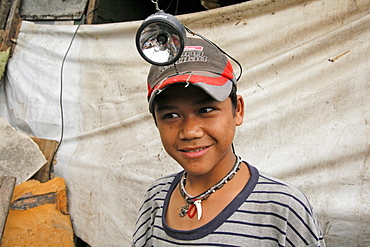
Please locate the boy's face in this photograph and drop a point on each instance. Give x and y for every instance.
(196, 130)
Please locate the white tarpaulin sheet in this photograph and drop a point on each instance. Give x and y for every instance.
(307, 118)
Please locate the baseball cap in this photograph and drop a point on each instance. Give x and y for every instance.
(201, 64)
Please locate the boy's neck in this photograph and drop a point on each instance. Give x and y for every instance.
(212, 206)
(196, 184)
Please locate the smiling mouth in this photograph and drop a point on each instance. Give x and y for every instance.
(193, 150)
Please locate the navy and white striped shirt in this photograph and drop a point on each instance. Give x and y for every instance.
(267, 212)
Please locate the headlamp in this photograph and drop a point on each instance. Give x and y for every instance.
(160, 39)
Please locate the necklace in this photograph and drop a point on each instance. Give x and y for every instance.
(193, 203)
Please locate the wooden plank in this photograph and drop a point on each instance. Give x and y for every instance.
(14, 10)
(92, 17)
(9, 30)
(12, 27)
(4, 11)
(6, 192)
(48, 148)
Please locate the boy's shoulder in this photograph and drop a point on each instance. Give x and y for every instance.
(162, 183)
(275, 190)
(275, 184)
(264, 183)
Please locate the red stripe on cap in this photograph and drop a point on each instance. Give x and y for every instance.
(226, 75)
(215, 81)
(228, 71)
(150, 90)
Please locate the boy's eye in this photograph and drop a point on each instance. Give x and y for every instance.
(170, 115)
(206, 110)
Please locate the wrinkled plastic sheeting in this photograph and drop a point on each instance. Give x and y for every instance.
(306, 88)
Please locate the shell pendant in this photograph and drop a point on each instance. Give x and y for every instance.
(184, 210)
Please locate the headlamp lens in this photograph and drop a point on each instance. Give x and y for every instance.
(160, 39)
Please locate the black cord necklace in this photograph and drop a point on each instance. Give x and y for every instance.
(195, 201)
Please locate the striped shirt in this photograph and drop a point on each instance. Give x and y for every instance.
(267, 212)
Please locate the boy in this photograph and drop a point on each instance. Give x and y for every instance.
(218, 200)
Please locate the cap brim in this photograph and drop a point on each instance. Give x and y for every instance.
(216, 86)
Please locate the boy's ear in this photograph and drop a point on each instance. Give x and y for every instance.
(239, 111)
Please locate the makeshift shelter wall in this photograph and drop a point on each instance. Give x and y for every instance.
(307, 118)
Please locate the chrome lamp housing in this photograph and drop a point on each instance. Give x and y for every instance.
(160, 39)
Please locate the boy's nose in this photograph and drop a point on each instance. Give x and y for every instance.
(191, 129)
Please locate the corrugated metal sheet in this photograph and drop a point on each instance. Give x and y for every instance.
(52, 9)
